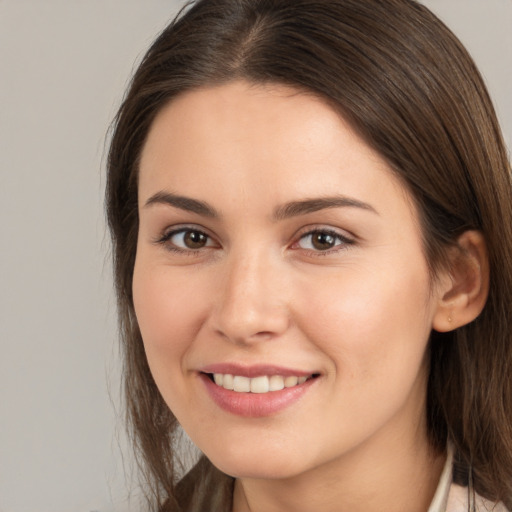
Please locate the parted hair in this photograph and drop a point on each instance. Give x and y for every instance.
(400, 77)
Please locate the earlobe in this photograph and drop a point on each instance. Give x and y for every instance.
(464, 287)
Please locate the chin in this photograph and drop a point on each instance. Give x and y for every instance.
(257, 463)
(256, 471)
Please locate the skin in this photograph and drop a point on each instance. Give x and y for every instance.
(258, 292)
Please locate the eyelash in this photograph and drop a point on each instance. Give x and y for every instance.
(345, 241)
(165, 239)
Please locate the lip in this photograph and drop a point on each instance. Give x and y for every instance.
(252, 371)
(254, 405)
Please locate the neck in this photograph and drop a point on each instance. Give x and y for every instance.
(401, 476)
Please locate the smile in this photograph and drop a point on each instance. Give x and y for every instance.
(261, 384)
(256, 391)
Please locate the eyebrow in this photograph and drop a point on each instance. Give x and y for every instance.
(305, 206)
(285, 211)
(183, 203)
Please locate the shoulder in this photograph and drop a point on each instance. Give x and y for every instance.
(461, 500)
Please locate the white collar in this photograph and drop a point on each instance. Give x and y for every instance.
(440, 499)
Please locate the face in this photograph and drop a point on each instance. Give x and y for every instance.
(279, 256)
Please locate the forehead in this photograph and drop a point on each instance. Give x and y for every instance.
(267, 139)
(238, 112)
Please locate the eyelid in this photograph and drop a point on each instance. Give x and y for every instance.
(346, 238)
(168, 233)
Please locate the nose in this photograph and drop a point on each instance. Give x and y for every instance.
(251, 305)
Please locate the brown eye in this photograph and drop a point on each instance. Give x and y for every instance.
(194, 239)
(323, 241)
(187, 240)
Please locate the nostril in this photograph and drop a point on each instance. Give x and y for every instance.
(263, 334)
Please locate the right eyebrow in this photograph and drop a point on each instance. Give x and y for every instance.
(183, 203)
(305, 206)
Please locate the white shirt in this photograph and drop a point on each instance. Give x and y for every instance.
(450, 497)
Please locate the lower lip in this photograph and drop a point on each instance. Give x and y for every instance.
(255, 405)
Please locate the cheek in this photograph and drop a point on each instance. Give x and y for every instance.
(371, 323)
(375, 332)
(168, 313)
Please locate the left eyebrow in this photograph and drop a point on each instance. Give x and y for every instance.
(183, 203)
(296, 208)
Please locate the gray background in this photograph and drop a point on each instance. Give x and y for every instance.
(63, 67)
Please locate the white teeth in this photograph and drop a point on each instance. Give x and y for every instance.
(276, 383)
(262, 384)
(289, 382)
(227, 381)
(241, 384)
(259, 385)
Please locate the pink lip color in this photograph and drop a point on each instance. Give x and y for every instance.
(253, 370)
(255, 405)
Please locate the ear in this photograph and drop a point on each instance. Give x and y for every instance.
(464, 286)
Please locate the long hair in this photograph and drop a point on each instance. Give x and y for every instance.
(399, 76)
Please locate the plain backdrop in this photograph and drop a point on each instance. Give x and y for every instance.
(63, 67)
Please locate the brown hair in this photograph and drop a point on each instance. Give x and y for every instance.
(405, 82)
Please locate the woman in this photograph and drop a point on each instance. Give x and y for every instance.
(310, 204)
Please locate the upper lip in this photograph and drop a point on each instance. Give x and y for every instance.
(256, 370)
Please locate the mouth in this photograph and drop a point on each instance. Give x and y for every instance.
(256, 390)
(262, 384)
